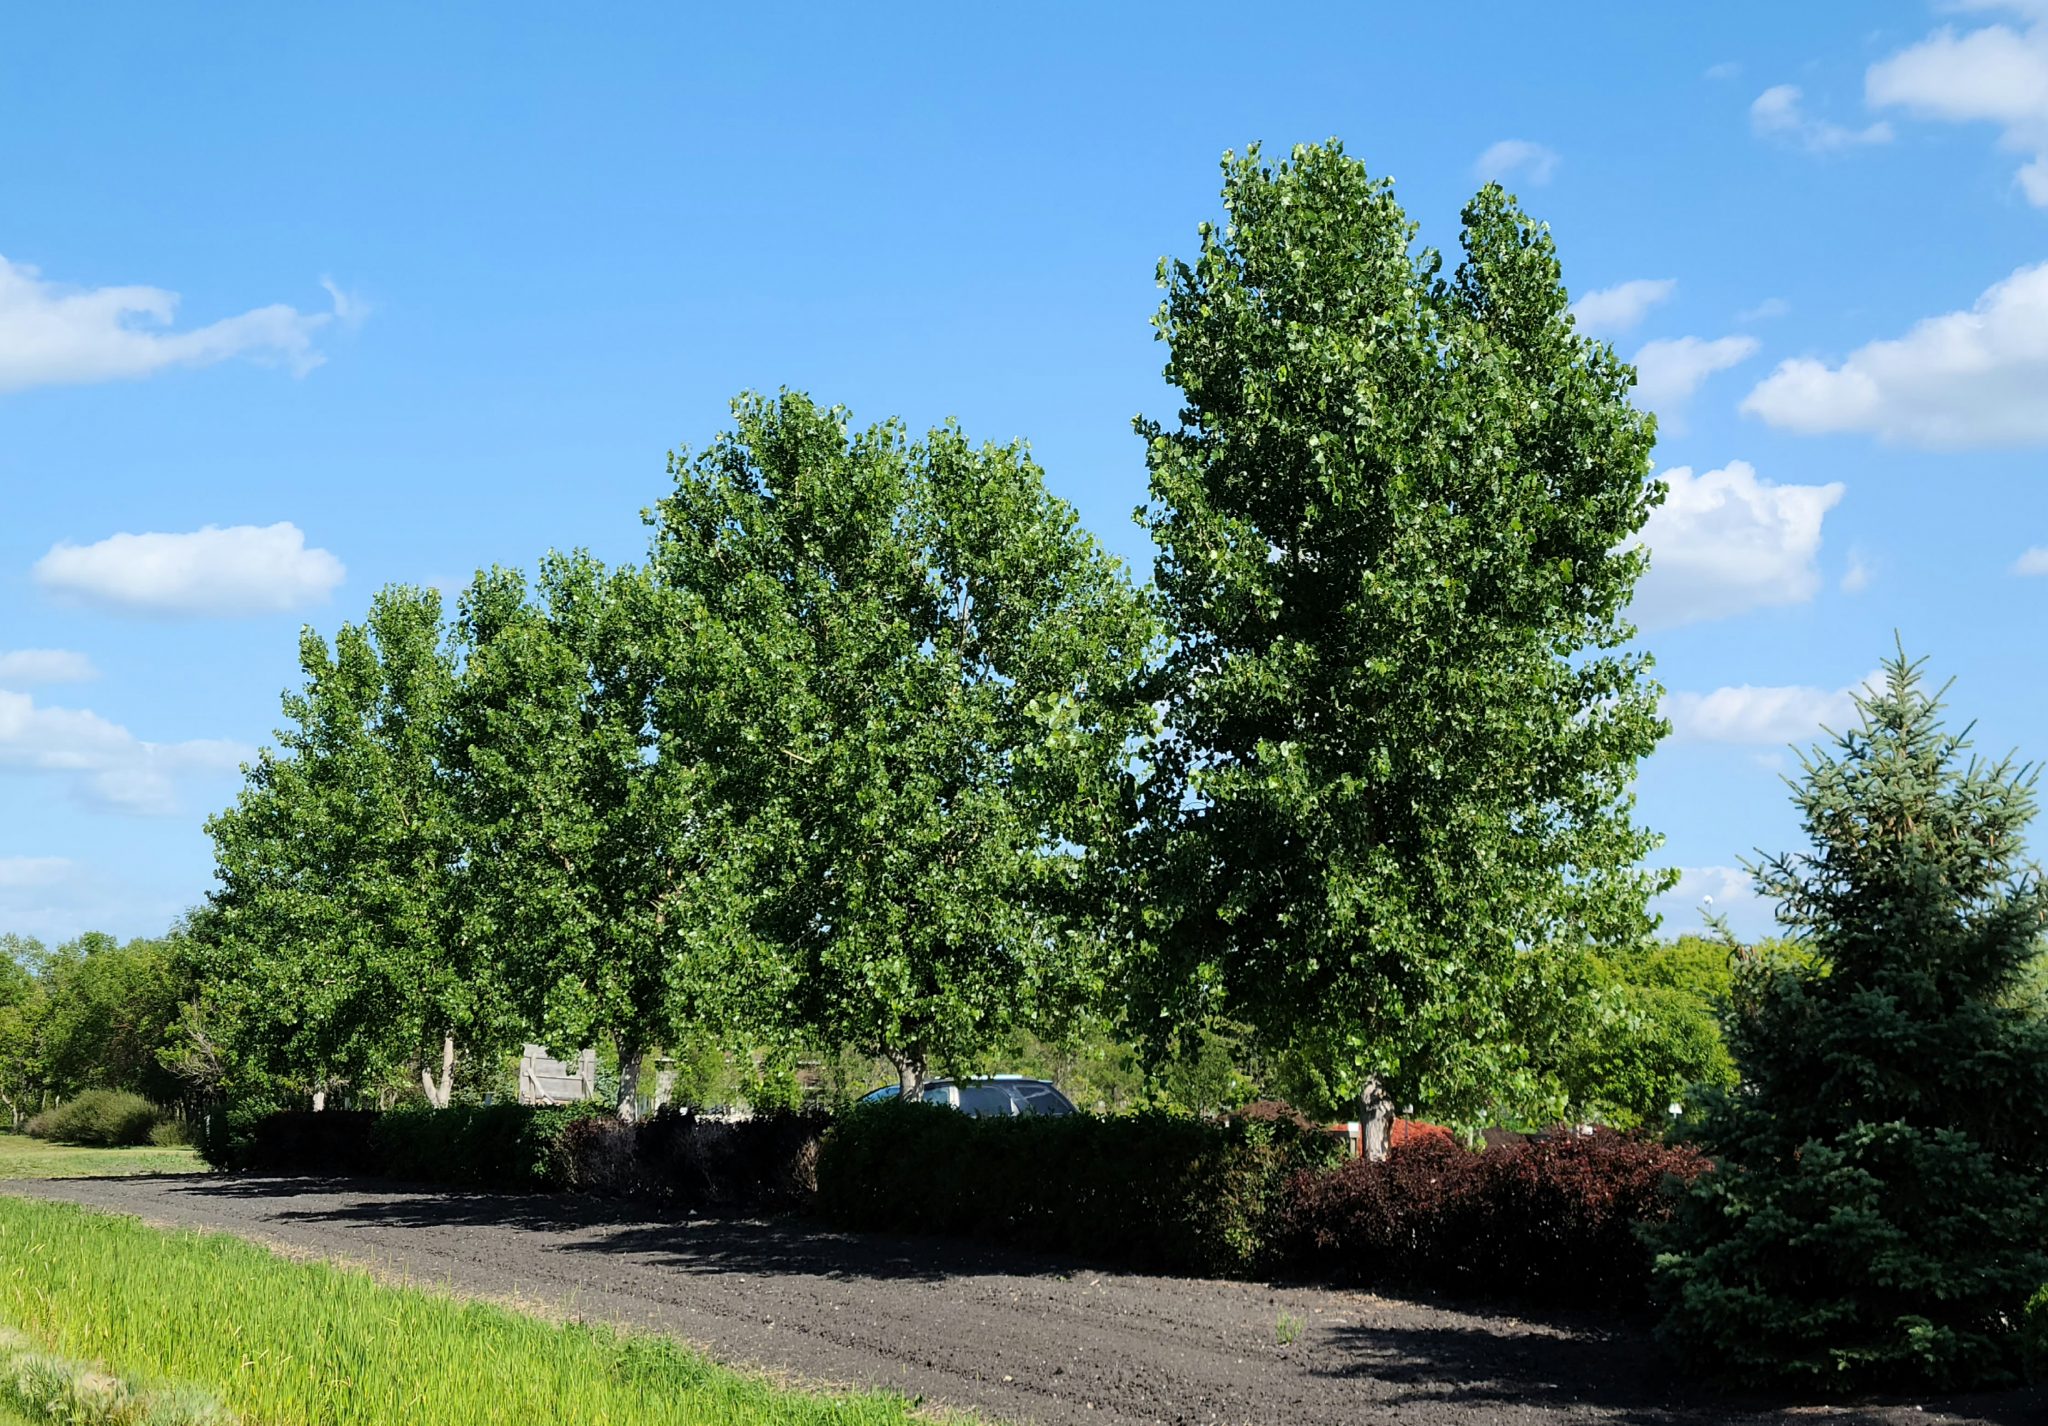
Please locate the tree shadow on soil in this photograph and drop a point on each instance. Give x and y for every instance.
(1619, 1375)
(685, 1243)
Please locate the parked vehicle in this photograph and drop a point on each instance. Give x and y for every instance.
(996, 1096)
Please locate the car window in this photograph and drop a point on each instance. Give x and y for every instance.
(992, 1100)
(1042, 1099)
(937, 1094)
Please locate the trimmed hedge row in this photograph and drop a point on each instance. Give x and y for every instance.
(1154, 1190)
(1553, 1220)
(760, 1164)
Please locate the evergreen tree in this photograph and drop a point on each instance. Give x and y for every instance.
(1878, 1214)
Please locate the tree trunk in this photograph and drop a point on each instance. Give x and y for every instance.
(1375, 1119)
(319, 1100)
(442, 1094)
(629, 1085)
(909, 1074)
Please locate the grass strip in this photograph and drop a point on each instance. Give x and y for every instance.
(284, 1343)
(23, 1157)
(38, 1387)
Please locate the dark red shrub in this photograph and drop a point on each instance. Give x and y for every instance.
(1552, 1220)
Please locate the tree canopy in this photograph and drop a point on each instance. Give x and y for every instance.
(907, 681)
(1396, 523)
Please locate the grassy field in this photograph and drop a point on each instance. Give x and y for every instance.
(285, 1343)
(23, 1157)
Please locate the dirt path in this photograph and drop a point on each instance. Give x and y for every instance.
(1016, 1338)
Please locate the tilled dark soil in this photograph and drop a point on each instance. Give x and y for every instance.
(1014, 1338)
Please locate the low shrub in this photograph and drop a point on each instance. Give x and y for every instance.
(2034, 1338)
(1155, 1190)
(1553, 1220)
(169, 1133)
(103, 1118)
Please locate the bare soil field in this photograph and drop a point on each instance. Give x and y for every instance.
(1014, 1338)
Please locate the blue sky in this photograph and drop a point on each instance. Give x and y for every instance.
(297, 303)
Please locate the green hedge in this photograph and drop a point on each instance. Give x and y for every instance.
(1154, 1190)
(105, 1118)
(2034, 1338)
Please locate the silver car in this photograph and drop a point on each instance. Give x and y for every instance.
(996, 1096)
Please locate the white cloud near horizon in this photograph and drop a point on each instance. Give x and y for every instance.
(1962, 379)
(55, 335)
(17, 872)
(1618, 308)
(1749, 715)
(25, 668)
(102, 763)
(1669, 371)
(1509, 157)
(1726, 542)
(1780, 113)
(217, 570)
(2032, 562)
(1994, 75)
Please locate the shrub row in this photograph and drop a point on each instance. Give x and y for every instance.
(676, 1158)
(1552, 1220)
(1155, 1190)
(106, 1118)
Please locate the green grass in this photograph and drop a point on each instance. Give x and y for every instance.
(284, 1343)
(23, 1157)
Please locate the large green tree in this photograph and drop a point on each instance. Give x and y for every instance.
(1878, 1214)
(908, 681)
(580, 880)
(335, 948)
(1396, 524)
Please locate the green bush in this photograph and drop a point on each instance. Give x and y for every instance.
(2034, 1338)
(1155, 1190)
(510, 1147)
(169, 1133)
(104, 1118)
(225, 1133)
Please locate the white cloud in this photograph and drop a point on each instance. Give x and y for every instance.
(1996, 75)
(1618, 308)
(239, 569)
(1668, 372)
(1974, 378)
(1727, 542)
(18, 872)
(1765, 310)
(1753, 716)
(2033, 562)
(102, 762)
(1725, 891)
(1517, 156)
(1726, 69)
(1856, 578)
(1778, 113)
(53, 335)
(24, 668)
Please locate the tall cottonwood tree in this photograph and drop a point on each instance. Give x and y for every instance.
(577, 877)
(334, 945)
(907, 680)
(1396, 525)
